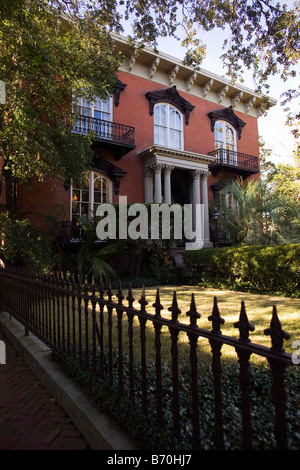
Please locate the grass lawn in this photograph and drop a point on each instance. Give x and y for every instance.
(258, 307)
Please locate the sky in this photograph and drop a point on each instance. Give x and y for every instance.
(272, 127)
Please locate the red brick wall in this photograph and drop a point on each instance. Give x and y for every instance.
(43, 203)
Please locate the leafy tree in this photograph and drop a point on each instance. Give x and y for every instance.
(282, 179)
(284, 186)
(46, 56)
(24, 244)
(264, 210)
(267, 166)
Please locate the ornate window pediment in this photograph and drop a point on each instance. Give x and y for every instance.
(171, 96)
(228, 115)
(113, 172)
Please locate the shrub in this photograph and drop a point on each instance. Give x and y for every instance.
(262, 269)
(23, 244)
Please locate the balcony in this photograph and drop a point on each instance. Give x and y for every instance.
(106, 134)
(236, 162)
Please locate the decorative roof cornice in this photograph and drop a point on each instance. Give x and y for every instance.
(168, 70)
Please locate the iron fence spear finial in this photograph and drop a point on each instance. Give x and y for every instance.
(93, 286)
(243, 324)
(143, 302)
(109, 291)
(101, 289)
(276, 332)
(157, 305)
(130, 297)
(120, 295)
(86, 287)
(215, 318)
(192, 313)
(174, 308)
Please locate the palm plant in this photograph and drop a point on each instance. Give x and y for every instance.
(89, 260)
(252, 214)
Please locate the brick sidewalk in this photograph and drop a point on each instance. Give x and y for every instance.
(30, 419)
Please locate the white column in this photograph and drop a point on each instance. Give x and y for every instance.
(157, 183)
(204, 177)
(148, 184)
(196, 187)
(167, 184)
(197, 212)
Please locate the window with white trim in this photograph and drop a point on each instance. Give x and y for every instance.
(231, 202)
(225, 136)
(96, 109)
(168, 127)
(225, 142)
(95, 189)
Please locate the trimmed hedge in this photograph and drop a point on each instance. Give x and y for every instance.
(261, 269)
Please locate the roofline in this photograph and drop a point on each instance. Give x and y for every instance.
(202, 77)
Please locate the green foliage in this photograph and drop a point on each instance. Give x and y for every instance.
(268, 33)
(150, 258)
(23, 245)
(260, 212)
(136, 261)
(143, 427)
(158, 265)
(262, 269)
(89, 259)
(44, 60)
(281, 179)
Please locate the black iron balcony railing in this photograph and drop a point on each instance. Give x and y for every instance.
(106, 131)
(236, 161)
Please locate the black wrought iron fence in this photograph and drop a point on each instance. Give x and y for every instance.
(92, 327)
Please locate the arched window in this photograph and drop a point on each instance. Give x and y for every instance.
(98, 108)
(225, 142)
(225, 136)
(95, 189)
(95, 116)
(168, 130)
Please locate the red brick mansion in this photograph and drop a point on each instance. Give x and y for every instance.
(167, 134)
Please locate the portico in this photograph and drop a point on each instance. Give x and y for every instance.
(159, 163)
